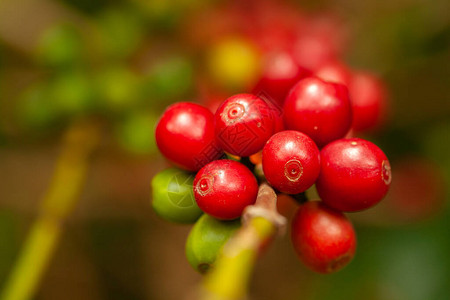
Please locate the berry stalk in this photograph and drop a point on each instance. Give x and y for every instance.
(261, 221)
(79, 142)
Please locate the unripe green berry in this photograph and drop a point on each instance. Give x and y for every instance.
(206, 239)
(36, 111)
(60, 46)
(135, 133)
(72, 93)
(173, 197)
(117, 89)
(121, 31)
(169, 79)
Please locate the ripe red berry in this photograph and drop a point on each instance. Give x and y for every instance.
(280, 73)
(312, 50)
(369, 104)
(418, 191)
(223, 188)
(243, 124)
(354, 175)
(334, 71)
(291, 162)
(320, 109)
(185, 136)
(323, 238)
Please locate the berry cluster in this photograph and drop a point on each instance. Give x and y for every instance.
(351, 174)
(295, 128)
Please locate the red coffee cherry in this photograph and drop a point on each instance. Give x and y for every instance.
(223, 188)
(334, 71)
(320, 109)
(185, 136)
(312, 50)
(290, 161)
(354, 175)
(369, 102)
(417, 193)
(323, 238)
(243, 124)
(279, 75)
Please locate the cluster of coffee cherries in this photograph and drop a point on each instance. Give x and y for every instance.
(307, 141)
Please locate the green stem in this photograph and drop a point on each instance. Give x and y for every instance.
(230, 277)
(79, 142)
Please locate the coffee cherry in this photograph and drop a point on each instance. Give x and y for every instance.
(233, 63)
(320, 109)
(120, 33)
(354, 175)
(36, 109)
(369, 104)
(290, 161)
(206, 239)
(417, 193)
(117, 89)
(323, 238)
(60, 46)
(185, 136)
(279, 75)
(312, 50)
(223, 188)
(334, 71)
(286, 205)
(243, 124)
(72, 93)
(173, 197)
(168, 79)
(132, 133)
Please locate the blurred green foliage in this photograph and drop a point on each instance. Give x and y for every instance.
(108, 240)
(9, 233)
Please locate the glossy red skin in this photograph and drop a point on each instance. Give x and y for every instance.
(277, 112)
(354, 175)
(291, 162)
(280, 74)
(320, 109)
(323, 238)
(334, 71)
(243, 124)
(223, 188)
(185, 136)
(369, 102)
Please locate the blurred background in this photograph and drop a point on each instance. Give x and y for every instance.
(118, 64)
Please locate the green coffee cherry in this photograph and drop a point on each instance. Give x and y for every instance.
(72, 93)
(173, 196)
(206, 239)
(121, 31)
(117, 89)
(169, 79)
(36, 111)
(60, 46)
(136, 133)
